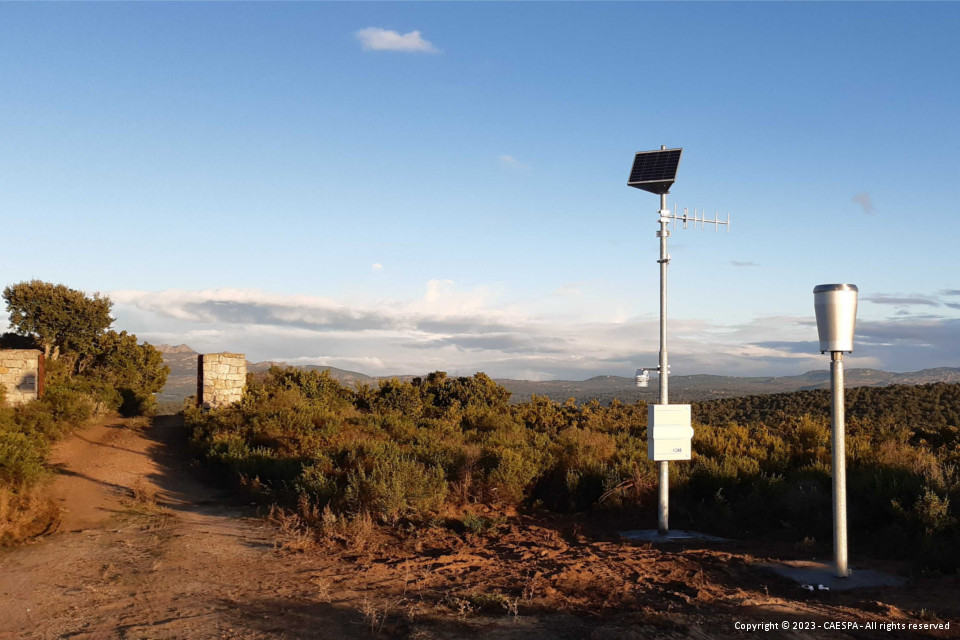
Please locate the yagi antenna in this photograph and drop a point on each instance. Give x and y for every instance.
(698, 217)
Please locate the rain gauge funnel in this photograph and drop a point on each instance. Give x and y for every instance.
(836, 308)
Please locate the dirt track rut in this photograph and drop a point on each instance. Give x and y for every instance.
(119, 567)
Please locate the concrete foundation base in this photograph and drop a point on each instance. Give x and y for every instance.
(652, 535)
(816, 574)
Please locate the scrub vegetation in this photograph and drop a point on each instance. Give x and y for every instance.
(451, 452)
(90, 370)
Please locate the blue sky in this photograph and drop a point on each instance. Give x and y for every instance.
(315, 181)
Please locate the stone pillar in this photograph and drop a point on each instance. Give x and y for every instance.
(21, 374)
(221, 378)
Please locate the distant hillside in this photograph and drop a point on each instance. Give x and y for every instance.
(348, 378)
(932, 411)
(182, 382)
(706, 387)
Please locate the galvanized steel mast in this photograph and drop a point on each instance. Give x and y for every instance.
(839, 465)
(655, 172)
(663, 509)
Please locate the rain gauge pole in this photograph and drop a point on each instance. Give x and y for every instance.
(836, 309)
(837, 428)
(663, 508)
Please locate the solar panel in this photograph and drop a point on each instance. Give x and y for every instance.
(655, 171)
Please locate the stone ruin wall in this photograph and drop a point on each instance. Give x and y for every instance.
(221, 378)
(21, 375)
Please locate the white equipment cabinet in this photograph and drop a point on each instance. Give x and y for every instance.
(669, 431)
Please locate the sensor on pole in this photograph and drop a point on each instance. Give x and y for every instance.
(836, 309)
(643, 378)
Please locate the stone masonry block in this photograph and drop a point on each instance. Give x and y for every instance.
(223, 379)
(19, 374)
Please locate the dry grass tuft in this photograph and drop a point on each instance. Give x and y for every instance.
(143, 500)
(323, 588)
(24, 514)
(293, 534)
(375, 615)
(140, 423)
(144, 493)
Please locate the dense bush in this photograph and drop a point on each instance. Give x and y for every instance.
(26, 433)
(90, 369)
(408, 450)
(128, 373)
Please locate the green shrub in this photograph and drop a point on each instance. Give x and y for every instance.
(319, 486)
(480, 525)
(68, 405)
(396, 488)
(401, 450)
(511, 476)
(21, 459)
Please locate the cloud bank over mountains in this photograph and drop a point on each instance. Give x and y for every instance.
(466, 331)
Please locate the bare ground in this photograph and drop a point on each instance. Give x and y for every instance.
(146, 550)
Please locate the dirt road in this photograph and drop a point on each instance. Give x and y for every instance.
(121, 567)
(146, 550)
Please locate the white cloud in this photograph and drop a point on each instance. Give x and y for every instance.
(377, 39)
(376, 266)
(462, 331)
(459, 331)
(507, 160)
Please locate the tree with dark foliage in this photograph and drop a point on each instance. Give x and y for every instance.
(61, 318)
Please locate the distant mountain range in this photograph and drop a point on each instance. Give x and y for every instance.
(706, 387)
(182, 382)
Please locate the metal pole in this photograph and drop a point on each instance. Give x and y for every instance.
(839, 465)
(663, 512)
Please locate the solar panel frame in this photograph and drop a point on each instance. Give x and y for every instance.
(655, 171)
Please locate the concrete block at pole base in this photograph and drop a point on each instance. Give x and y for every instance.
(669, 432)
